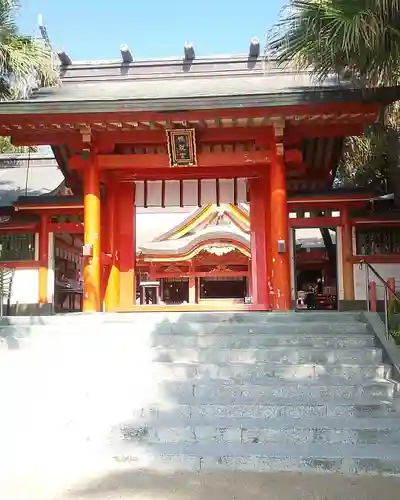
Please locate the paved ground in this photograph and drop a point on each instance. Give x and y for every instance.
(134, 485)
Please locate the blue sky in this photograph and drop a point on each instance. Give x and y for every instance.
(94, 29)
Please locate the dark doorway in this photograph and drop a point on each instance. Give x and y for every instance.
(315, 268)
(220, 288)
(175, 290)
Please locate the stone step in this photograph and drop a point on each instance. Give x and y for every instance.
(274, 328)
(273, 409)
(237, 341)
(340, 328)
(258, 431)
(343, 458)
(159, 318)
(287, 355)
(211, 392)
(263, 372)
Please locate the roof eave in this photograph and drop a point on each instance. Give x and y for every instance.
(302, 96)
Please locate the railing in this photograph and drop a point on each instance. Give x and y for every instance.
(6, 279)
(388, 291)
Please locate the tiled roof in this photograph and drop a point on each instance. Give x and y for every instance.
(27, 174)
(162, 85)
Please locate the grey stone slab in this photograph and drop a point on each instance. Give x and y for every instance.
(284, 355)
(267, 371)
(228, 393)
(260, 341)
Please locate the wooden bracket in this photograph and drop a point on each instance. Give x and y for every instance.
(279, 127)
(86, 133)
(280, 150)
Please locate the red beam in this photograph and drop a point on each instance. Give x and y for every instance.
(293, 134)
(200, 274)
(28, 227)
(305, 222)
(66, 227)
(183, 173)
(62, 208)
(137, 161)
(376, 259)
(363, 221)
(328, 201)
(27, 264)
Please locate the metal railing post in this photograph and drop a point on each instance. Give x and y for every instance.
(367, 287)
(385, 298)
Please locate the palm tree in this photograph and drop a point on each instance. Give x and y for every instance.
(25, 63)
(352, 38)
(360, 37)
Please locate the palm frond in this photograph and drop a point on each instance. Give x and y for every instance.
(25, 63)
(357, 36)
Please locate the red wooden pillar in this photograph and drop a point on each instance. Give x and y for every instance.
(126, 214)
(259, 240)
(372, 296)
(43, 259)
(91, 271)
(391, 283)
(111, 301)
(280, 254)
(347, 253)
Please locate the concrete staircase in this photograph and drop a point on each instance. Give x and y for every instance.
(196, 391)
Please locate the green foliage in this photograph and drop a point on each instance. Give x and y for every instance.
(393, 312)
(395, 333)
(25, 63)
(6, 146)
(353, 39)
(349, 37)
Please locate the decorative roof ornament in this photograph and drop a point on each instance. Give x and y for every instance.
(220, 269)
(254, 49)
(219, 251)
(64, 58)
(173, 269)
(126, 54)
(189, 52)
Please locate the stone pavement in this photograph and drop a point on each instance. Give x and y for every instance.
(139, 485)
(236, 486)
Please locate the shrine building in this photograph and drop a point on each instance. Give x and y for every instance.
(188, 183)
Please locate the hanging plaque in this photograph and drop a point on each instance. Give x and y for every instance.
(182, 147)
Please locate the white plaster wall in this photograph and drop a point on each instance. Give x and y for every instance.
(36, 246)
(292, 253)
(190, 192)
(51, 268)
(339, 263)
(25, 287)
(385, 270)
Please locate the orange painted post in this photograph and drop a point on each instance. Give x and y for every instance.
(104, 251)
(43, 259)
(391, 283)
(126, 214)
(372, 296)
(347, 253)
(113, 281)
(259, 244)
(279, 232)
(91, 271)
